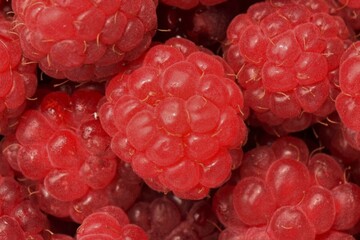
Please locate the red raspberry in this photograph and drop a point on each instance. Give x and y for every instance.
(286, 55)
(188, 4)
(176, 118)
(109, 223)
(86, 40)
(285, 193)
(339, 140)
(20, 216)
(62, 146)
(348, 101)
(17, 77)
(168, 217)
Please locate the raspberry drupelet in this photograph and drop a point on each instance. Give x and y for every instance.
(283, 192)
(109, 223)
(177, 118)
(61, 146)
(17, 77)
(84, 40)
(168, 217)
(347, 102)
(286, 55)
(20, 215)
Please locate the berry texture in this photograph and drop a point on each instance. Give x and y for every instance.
(176, 119)
(188, 4)
(168, 217)
(20, 216)
(85, 40)
(17, 78)
(342, 142)
(62, 147)
(285, 193)
(286, 55)
(109, 223)
(347, 102)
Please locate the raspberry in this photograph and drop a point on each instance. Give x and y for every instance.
(287, 194)
(87, 40)
(286, 56)
(62, 147)
(18, 79)
(175, 118)
(20, 216)
(341, 141)
(188, 4)
(109, 223)
(347, 102)
(168, 217)
(121, 192)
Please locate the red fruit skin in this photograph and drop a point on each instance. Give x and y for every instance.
(11, 230)
(20, 214)
(104, 224)
(290, 222)
(347, 102)
(73, 141)
(252, 197)
(333, 235)
(169, 217)
(86, 42)
(175, 118)
(283, 192)
(61, 146)
(18, 78)
(287, 88)
(347, 198)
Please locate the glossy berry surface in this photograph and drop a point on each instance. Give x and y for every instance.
(169, 217)
(174, 118)
(62, 147)
(18, 80)
(109, 223)
(179, 120)
(86, 40)
(285, 55)
(283, 192)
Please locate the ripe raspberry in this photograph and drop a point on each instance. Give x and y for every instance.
(17, 78)
(121, 192)
(176, 118)
(109, 223)
(86, 40)
(347, 102)
(286, 55)
(188, 4)
(62, 146)
(168, 217)
(285, 193)
(20, 216)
